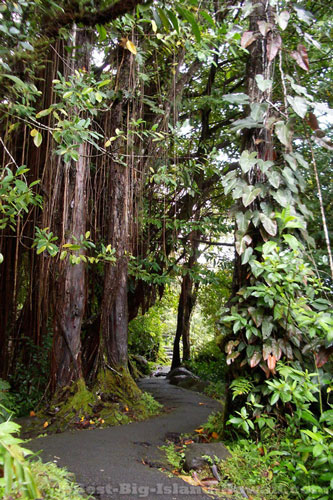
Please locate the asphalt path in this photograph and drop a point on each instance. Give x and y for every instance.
(122, 462)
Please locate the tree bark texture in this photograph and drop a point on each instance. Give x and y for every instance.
(114, 309)
(70, 289)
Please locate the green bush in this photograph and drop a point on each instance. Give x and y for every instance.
(28, 384)
(7, 403)
(303, 455)
(209, 363)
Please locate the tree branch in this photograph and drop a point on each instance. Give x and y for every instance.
(75, 15)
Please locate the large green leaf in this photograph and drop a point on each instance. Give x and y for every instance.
(250, 195)
(258, 110)
(247, 255)
(242, 243)
(269, 224)
(283, 133)
(243, 220)
(247, 160)
(299, 105)
(282, 196)
(164, 19)
(263, 84)
(236, 98)
(267, 327)
(188, 16)
(173, 20)
(274, 178)
(245, 123)
(208, 18)
(290, 179)
(292, 241)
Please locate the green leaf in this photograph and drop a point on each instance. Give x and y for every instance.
(236, 98)
(269, 224)
(164, 19)
(103, 82)
(44, 112)
(267, 327)
(1, 258)
(283, 197)
(247, 255)
(268, 247)
(87, 90)
(299, 105)
(274, 178)
(292, 241)
(99, 97)
(21, 185)
(242, 243)
(247, 160)
(275, 398)
(26, 45)
(291, 161)
(258, 111)
(243, 220)
(308, 417)
(101, 31)
(263, 84)
(17, 81)
(41, 249)
(318, 449)
(250, 195)
(173, 20)
(290, 179)
(245, 123)
(186, 14)
(283, 133)
(38, 139)
(208, 18)
(304, 15)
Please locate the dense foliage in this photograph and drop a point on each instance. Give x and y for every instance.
(142, 144)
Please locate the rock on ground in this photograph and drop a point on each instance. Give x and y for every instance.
(196, 451)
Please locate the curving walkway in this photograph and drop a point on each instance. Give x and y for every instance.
(122, 462)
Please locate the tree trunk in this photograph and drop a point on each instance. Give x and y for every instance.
(114, 311)
(256, 139)
(186, 304)
(70, 291)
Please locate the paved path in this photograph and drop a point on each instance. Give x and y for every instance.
(108, 462)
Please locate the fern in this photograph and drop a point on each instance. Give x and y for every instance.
(240, 386)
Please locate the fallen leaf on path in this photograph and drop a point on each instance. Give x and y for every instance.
(202, 403)
(32, 413)
(209, 481)
(199, 431)
(190, 480)
(45, 424)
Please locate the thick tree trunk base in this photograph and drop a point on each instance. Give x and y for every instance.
(115, 399)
